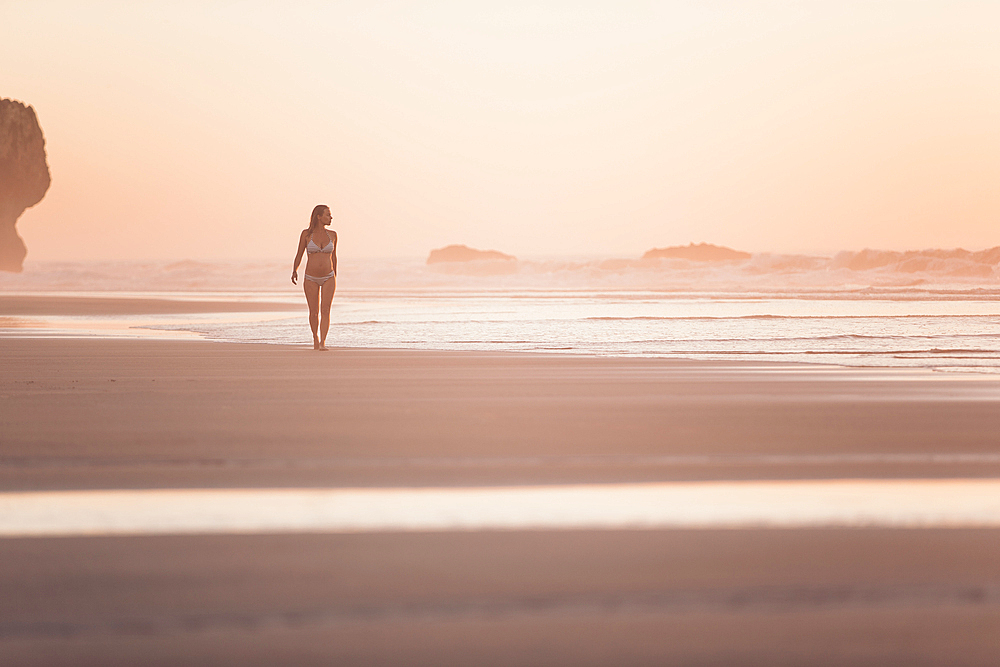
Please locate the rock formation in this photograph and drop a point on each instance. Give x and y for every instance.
(462, 253)
(702, 252)
(24, 176)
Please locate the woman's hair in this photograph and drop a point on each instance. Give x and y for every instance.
(319, 208)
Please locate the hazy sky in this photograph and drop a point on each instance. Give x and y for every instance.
(209, 130)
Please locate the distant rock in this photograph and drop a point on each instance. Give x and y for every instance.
(701, 252)
(24, 176)
(463, 253)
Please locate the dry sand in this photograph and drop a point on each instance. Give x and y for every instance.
(143, 414)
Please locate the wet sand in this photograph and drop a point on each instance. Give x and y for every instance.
(107, 414)
(88, 413)
(863, 597)
(12, 305)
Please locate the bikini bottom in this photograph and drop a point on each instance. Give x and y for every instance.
(321, 279)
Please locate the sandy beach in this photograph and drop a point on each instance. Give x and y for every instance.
(88, 413)
(142, 414)
(659, 334)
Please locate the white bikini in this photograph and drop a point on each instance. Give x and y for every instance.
(312, 249)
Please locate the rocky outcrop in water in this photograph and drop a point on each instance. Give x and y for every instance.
(463, 253)
(702, 252)
(24, 176)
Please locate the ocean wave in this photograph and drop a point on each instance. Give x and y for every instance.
(711, 318)
(900, 354)
(955, 273)
(956, 261)
(980, 353)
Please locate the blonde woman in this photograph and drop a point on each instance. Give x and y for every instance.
(320, 246)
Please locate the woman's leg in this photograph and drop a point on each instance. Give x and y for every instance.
(312, 298)
(329, 287)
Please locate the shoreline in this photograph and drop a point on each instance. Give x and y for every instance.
(272, 318)
(154, 333)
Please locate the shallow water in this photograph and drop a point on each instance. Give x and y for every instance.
(818, 313)
(922, 503)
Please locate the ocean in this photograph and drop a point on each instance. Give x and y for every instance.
(933, 309)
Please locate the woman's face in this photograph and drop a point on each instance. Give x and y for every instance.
(325, 217)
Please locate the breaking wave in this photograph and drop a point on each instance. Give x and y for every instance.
(930, 308)
(948, 273)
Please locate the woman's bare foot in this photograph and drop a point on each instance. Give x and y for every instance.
(317, 345)
(322, 347)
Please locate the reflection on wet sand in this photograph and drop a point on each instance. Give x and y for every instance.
(928, 503)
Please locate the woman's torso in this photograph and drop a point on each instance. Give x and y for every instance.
(319, 253)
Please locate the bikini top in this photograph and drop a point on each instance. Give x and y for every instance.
(312, 248)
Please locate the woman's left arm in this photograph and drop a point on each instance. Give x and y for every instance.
(334, 258)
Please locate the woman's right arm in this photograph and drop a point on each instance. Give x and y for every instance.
(298, 257)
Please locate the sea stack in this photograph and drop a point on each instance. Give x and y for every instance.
(24, 176)
(702, 252)
(463, 253)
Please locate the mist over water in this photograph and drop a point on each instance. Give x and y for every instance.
(934, 309)
(946, 272)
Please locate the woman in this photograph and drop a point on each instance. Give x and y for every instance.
(320, 246)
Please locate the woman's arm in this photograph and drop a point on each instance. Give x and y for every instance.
(334, 258)
(298, 256)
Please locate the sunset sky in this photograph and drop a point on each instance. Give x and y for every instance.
(209, 130)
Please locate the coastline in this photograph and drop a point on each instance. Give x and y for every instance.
(955, 337)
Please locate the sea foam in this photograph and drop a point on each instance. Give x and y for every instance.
(949, 271)
(934, 309)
